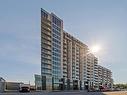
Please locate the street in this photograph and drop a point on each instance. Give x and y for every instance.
(67, 93)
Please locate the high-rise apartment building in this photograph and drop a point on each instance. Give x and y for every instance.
(66, 62)
(51, 50)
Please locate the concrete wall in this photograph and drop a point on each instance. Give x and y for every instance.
(12, 86)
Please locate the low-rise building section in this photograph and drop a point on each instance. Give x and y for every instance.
(105, 77)
(6, 86)
(38, 82)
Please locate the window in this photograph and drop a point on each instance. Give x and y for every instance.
(45, 15)
(56, 21)
(56, 32)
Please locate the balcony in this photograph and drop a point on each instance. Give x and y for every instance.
(64, 55)
(65, 67)
(46, 37)
(46, 52)
(45, 27)
(45, 20)
(46, 42)
(46, 23)
(46, 66)
(45, 46)
(64, 71)
(64, 50)
(64, 60)
(46, 57)
(48, 33)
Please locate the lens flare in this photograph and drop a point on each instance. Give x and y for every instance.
(95, 49)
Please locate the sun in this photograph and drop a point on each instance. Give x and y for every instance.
(95, 48)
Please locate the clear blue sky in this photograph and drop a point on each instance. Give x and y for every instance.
(101, 22)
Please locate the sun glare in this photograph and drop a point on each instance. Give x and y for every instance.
(95, 49)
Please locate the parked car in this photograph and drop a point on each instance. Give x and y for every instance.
(24, 88)
(104, 89)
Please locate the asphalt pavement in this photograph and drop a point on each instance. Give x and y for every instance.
(66, 93)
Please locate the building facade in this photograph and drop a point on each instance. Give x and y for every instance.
(105, 77)
(51, 50)
(65, 61)
(73, 62)
(91, 70)
(38, 82)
